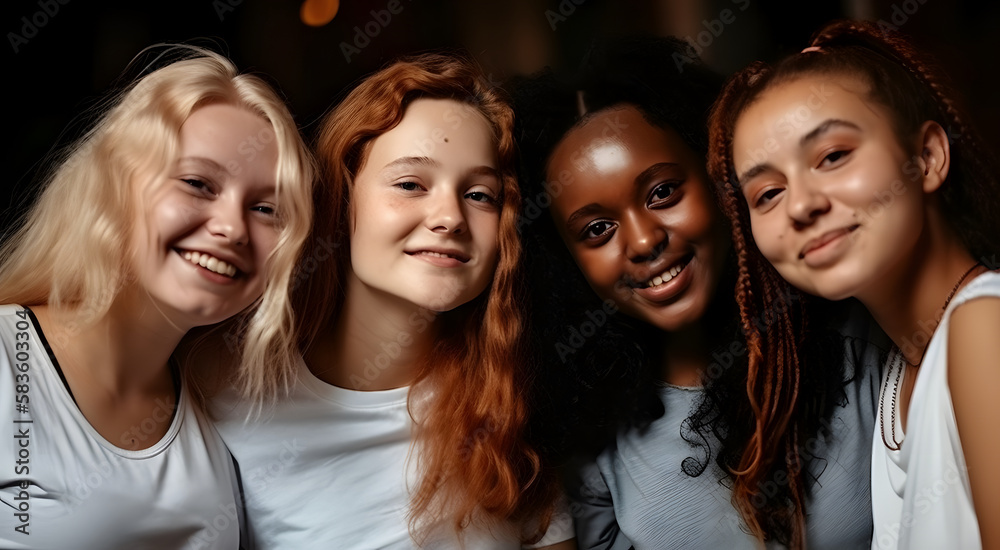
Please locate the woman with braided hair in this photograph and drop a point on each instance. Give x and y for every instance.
(852, 172)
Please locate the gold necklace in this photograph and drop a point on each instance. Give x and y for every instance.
(898, 363)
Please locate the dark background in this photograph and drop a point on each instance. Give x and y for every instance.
(71, 60)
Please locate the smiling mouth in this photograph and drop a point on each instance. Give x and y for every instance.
(210, 263)
(826, 238)
(447, 255)
(665, 277)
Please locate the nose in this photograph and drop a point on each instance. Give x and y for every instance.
(228, 221)
(806, 202)
(445, 213)
(644, 237)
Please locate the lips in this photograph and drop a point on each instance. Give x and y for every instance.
(667, 275)
(210, 262)
(664, 274)
(440, 253)
(669, 284)
(825, 238)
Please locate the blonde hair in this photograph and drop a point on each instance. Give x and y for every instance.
(72, 251)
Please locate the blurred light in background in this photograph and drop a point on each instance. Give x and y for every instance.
(317, 13)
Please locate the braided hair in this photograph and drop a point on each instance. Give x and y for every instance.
(914, 91)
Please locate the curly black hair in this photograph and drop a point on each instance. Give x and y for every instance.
(603, 372)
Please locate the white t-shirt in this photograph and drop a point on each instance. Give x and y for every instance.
(64, 486)
(329, 467)
(921, 497)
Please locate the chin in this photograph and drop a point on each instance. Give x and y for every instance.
(436, 304)
(834, 293)
(680, 316)
(833, 285)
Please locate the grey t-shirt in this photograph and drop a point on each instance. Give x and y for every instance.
(636, 494)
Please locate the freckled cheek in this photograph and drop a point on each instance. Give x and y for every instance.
(379, 219)
(485, 224)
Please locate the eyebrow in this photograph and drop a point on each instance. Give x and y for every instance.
(412, 161)
(583, 211)
(643, 177)
(405, 162)
(650, 172)
(825, 127)
(484, 171)
(813, 135)
(207, 162)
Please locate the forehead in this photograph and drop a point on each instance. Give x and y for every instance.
(441, 129)
(618, 139)
(215, 125)
(608, 151)
(790, 109)
(791, 104)
(228, 142)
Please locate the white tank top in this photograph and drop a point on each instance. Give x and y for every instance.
(921, 497)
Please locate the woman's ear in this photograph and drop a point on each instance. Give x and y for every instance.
(935, 155)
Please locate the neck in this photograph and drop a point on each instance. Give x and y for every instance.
(909, 299)
(684, 356)
(377, 342)
(125, 351)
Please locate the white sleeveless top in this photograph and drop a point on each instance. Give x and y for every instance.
(63, 485)
(921, 497)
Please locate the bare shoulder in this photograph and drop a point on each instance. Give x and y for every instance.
(973, 379)
(974, 334)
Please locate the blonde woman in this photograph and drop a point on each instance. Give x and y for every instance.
(186, 205)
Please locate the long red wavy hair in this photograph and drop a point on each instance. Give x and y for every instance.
(476, 466)
(914, 90)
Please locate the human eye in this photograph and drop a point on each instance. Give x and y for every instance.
(663, 194)
(267, 209)
(409, 186)
(765, 198)
(834, 158)
(597, 231)
(481, 196)
(196, 183)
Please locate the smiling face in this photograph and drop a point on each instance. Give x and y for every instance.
(638, 217)
(836, 202)
(425, 208)
(203, 235)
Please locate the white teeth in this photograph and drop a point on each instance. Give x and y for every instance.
(210, 263)
(436, 254)
(666, 276)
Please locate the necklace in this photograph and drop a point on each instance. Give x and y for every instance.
(897, 364)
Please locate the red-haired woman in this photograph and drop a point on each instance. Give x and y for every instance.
(404, 422)
(850, 172)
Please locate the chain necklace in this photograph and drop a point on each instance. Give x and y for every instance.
(898, 364)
